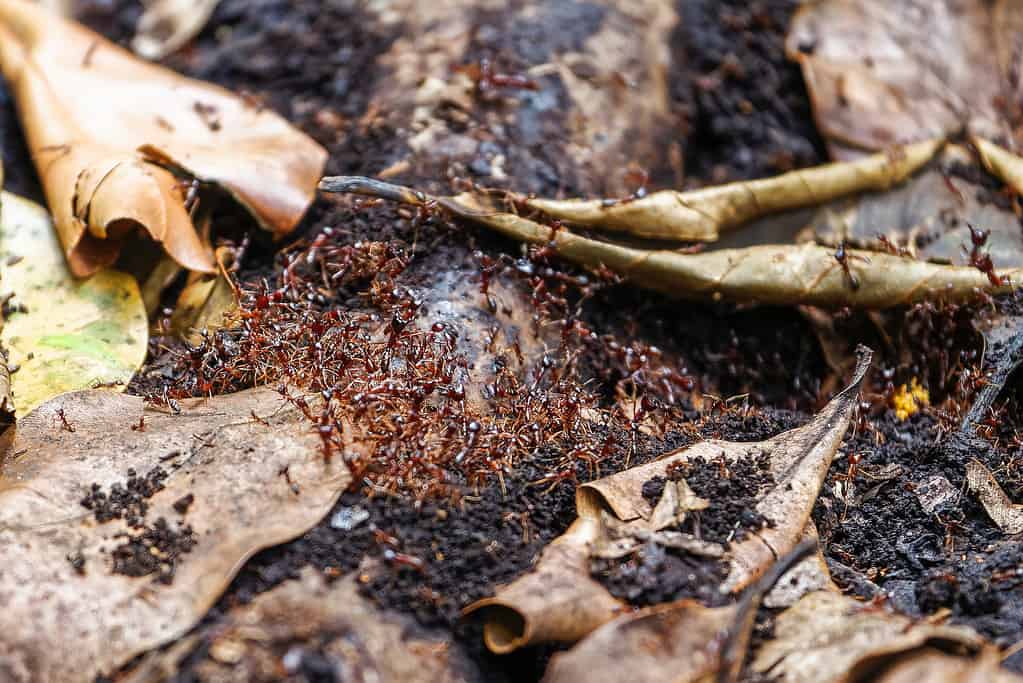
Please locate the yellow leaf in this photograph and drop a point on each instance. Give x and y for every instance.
(63, 334)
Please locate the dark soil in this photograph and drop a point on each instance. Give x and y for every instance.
(741, 111)
(155, 549)
(125, 501)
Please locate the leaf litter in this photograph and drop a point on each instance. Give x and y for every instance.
(104, 125)
(392, 553)
(60, 333)
(92, 489)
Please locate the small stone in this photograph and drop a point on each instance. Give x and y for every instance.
(348, 518)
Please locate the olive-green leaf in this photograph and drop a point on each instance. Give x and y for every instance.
(62, 334)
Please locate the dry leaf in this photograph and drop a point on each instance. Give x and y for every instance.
(1000, 162)
(208, 303)
(829, 637)
(555, 602)
(255, 641)
(679, 642)
(559, 601)
(675, 642)
(768, 274)
(930, 215)
(932, 665)
(703, 214)
(167, 25)
(63, 334)
(882, 73)
(1002, 511)
(116, 141)
(217, 451)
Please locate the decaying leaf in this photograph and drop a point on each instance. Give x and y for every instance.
(929, 216)
(676, 642)
(882, 73)
(278, 628)
(221, 463)
(1001, 162)
(556, 602)
(1002, 511)
(703, 214)
(62, 334)
(559, 601)
(117, 142)
(768, 274)
(827, 637)
(930, 664)
(167, 25)
(208, 302)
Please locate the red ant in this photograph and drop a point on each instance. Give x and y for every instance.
(64, 421)
(982, 260)
(556, 478)
(141, 426)
(487, 80)
(891, 247)
(843, 257)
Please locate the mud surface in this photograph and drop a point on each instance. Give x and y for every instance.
(738, 110)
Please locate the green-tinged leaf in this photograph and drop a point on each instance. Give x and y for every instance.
(62, 334)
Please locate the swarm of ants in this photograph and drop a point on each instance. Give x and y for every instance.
(389, 390)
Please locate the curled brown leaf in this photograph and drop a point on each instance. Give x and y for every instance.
(703, 214)
(827, 637)
(117, 142)
(167, 25)
(782, 274)
(559, 601)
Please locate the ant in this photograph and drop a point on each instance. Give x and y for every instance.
(843, 257)
(487, 80)
(64, 421)
(982, 260)
(141, 426)
(891, 247)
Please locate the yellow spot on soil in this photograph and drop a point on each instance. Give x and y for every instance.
(909, 399)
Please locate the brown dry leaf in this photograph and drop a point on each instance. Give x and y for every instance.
(930, 664)
(555, 602)
(883, 73)
(829, 637)
(1000, 162)
(1002, 511)
(769, 274)
(217, 450)
(208, 302)
(112, 136)
(559, 601)
(703, 214)
(684, 641)
(254, 642)
(675, 642)
(167, 25)
(930, 215)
